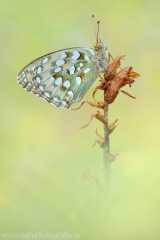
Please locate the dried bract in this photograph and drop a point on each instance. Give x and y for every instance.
(98, 116)
(90, 182)
(112, 126)
(110, 156)
(100, 141)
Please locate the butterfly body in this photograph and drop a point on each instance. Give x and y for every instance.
(63, 77)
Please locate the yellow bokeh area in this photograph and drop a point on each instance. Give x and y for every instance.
(48, 168)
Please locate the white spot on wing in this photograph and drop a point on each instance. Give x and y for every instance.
(71, 70)
(63, 54)
(56, 99)
(41, 88)
(80, 65)
(76, 55)
(86, 70)
(60, 62)
(93, 53)
(57, 69)
(39, 69)
(64, 103)
(86, 57)
(47, 94)
(78, 80)
(58, 81)
(70, 93)
(66, 84)
(45, 60)
(38, 80)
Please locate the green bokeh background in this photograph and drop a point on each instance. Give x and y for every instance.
(42, 150)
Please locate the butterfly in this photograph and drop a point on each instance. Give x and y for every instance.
(63, 77)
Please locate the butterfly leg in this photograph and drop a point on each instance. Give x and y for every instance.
(100, 76)
(110, 57)
(103, 82)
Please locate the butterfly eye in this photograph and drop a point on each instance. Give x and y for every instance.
(104, 46)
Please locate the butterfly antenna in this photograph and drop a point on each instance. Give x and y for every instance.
(94, 25)
(98, 22)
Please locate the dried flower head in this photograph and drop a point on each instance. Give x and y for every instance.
(113, 81)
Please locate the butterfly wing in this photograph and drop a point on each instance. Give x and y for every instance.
(63, 77)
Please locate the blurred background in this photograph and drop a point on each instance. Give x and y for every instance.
(42, 150)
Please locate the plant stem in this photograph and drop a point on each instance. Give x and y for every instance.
(106, 148)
